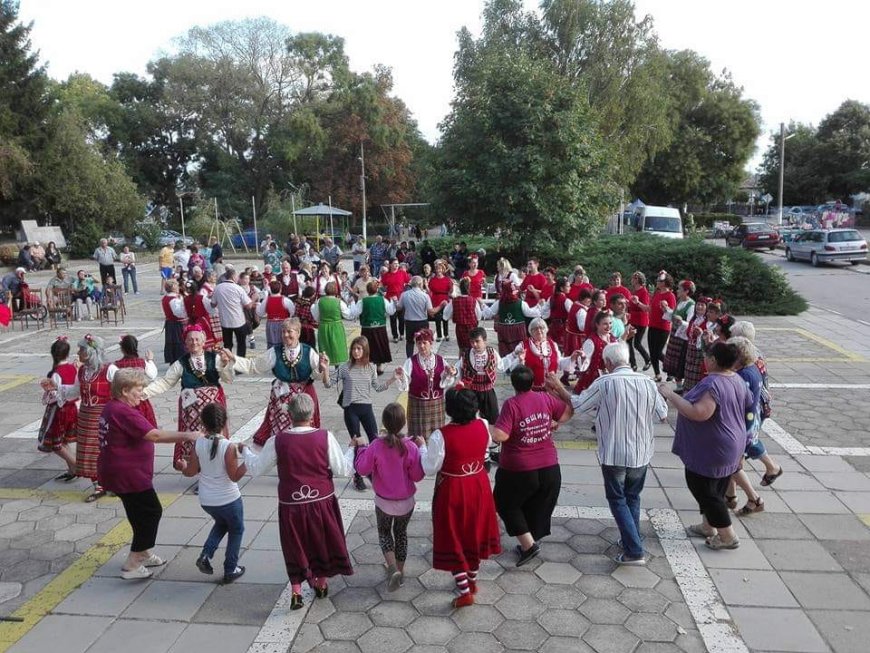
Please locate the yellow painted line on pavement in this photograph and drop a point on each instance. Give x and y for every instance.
(814, 360)
(824, 342)
(865, 519)
(59, 495)
(9, 381)
(582, 445)
(71, 578)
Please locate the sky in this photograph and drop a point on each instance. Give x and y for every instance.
(799, 64)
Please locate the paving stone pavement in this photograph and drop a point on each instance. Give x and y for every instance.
(799, 581)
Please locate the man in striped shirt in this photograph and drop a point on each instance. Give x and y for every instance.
(626, 405)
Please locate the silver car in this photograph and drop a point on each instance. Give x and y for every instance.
(826, 245)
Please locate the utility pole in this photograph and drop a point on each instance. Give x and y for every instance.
(362, 182)
(781, 168)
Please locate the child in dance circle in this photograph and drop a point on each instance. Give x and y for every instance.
(58, 426)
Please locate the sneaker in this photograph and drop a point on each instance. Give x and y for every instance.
(135, 574)
(463, 600)
(528, 554)
(394, 580)
(252, 343)
(154, 561)
(438, 339)
(624, 560)
(238, 572)
(204, 565)
(359, 483)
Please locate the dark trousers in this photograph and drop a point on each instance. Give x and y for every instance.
(441, 327)
(657, 339)
(637, 343)
(241, 338)
(143, 512)
(393, 533)
(710, 495)
(412, 327)
(525, 500)
(622, 487)
(228, 520)
(361, 414)
(107, 271)
(397, 324)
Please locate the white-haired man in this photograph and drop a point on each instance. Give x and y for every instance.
(626, 405)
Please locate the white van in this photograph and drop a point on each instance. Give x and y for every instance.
(659, 220)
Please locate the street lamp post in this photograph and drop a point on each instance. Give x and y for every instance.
(782, 139)
(362, 182)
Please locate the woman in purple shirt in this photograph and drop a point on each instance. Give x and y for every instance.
(710, 439)
(126, 466)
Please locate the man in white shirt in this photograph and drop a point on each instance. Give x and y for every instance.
(626, 405)
(418, 309)
(231, 301)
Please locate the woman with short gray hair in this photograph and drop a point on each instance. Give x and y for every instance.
(309, 517)
(539, 353)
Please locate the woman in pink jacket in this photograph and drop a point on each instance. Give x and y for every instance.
(393, 461)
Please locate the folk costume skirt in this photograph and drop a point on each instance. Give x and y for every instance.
(312, 540)
(464, 525)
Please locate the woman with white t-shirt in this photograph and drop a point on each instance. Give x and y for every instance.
(220, 465)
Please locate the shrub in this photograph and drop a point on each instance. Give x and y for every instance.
(85, 238)
(9, 254)
(740, 277)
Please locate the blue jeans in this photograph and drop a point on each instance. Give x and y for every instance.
(622, 486)
(129, 275)
(228, 519)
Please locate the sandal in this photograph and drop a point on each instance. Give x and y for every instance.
(768, 479)
(752, 505)
(98, 493)
(66, 477)
(697, 530)
(715, 542)
(731, 502)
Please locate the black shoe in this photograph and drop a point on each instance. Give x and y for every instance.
(647, 365)
(204, 565)
(296, 602)
(321, 592)
(487, 465)
(238, 572)
(493, 456)
(359, 483)
(528, 554)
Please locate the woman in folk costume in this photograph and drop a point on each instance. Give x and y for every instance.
(214, 318)
(700, 323)
(131, 359)
(464, 526)
(427, 374)
(560, 306)
(505, 272)
(58, 426)
(308, 324)
(465, 311)
(476, 277)
(175, 317)
(200, 311)
(309, 517)
(275, 308)
(200, 373)
(294, 365)
(329, 311)
(372, 312)
(575, 324)
(539, 353)
(599, 303)
(93, 386)
(290, 282)
(592, 354)
(675, 354)
(509, 313)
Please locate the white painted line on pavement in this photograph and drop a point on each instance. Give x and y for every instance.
(821, 386)
(709, 612)
(247, 430)
(783, 438)
(839, 451)
(28, 431)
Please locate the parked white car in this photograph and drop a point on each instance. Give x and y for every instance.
(826, 245)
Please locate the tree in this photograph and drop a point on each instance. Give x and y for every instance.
(803, 182)
(714, 137)
(23, 108)
(844, 149)
(603, 49)
(520, 155)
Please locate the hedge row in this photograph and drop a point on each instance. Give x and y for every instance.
(740, 277)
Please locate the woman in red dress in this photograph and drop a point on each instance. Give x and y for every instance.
(540, 354)
(59, 422)
(560, 305)
(592, 353)
(464, 526)
(440, 289)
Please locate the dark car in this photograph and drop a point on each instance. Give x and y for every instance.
(753, 235)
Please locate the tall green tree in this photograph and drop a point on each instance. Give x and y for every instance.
(844, 149)
(520, 155)
(23, 110)
(804, 182)
(716, 129)
(603, 49)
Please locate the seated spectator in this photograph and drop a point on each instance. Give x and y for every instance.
(25, 259)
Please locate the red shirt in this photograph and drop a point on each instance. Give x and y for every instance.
(656, 315)
(475, 287)
(548, 291)
(621, 290)
(394, 282)
(538, 282)
(575, 290)
(126, 462)
(636, 316)
(527, 418)
(439, 289)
